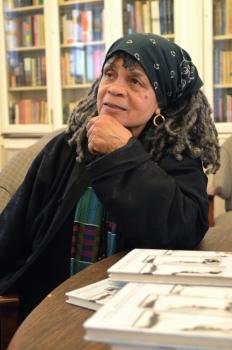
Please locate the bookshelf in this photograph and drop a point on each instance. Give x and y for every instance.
(218, 77)
(52, 51)
(149, 16)
(25, 84)
(55, 64)
(82, 49)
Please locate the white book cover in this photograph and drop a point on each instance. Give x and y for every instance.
(148, 315)
(128, 347)
(174, 266)
(92, 296)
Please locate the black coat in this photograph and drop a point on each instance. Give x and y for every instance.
(154, 205)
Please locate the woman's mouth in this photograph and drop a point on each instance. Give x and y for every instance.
(114, 106)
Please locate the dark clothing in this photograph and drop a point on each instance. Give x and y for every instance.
(154, 206)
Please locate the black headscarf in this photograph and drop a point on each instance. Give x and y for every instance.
(169, 68)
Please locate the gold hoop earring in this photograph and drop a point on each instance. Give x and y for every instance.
(158, 119)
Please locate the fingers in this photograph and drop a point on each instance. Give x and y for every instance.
(91, 135)
(105, 134)
(91, 123)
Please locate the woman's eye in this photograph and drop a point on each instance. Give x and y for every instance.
(108, 74)
(136, 81)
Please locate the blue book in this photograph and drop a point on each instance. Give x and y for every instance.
(89, 69)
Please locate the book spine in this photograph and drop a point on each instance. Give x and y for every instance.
(216, 105)
(86, 24)
(220, 109)
(27, 70)
(138, 16)
(217, 65)
(98, 57)
(155, 17)
(97, 23)
(69, 29)
(161, 13)
(129, 12)
(169, 16)
(76, 25)
(79, 65)
(227, 8)
(146, 16)
(89, 66)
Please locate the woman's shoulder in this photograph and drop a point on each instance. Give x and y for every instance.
(169, 161)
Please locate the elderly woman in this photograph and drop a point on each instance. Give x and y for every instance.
(127, 173)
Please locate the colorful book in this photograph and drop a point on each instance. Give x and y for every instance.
(97, 23)
(89, 64)
(174, 266)
(153, 316)
(92, 296)
(87, 25)
(138, 16)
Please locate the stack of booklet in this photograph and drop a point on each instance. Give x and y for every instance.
(94, 295)
(170, 299)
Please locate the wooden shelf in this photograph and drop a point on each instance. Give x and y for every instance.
(76, 86)
(223, 86)
(24, 9)
(28, 129)
(82, 44)
(27, 88)
(222, 37)
(26, 48)
(72, 3)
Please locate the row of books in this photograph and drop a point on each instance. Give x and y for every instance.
(81, 65)
(82, 24)
(25, 31)
(11, 4)
(222, 66)
(162, 299)
(222, 14)
(222, 107)
(29, 111)
(148, 16)
(29, 71)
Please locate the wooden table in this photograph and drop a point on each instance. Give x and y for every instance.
(56, 325)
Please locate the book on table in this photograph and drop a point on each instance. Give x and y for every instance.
(174, 266)
(92, 296)
(159, 316)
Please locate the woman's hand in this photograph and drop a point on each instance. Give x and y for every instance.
(105, 134)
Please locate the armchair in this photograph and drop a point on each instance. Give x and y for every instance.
(222, 187)
(15, 170)
(11, 177)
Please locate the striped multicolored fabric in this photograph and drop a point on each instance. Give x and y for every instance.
(94, 235)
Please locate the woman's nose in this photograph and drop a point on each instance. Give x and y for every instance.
(117, 89)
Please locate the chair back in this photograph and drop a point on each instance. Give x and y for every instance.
(223, 178)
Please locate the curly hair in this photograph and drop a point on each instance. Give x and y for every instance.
(78, 119)
(188, 128)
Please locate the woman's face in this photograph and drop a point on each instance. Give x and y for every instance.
(127, 95)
